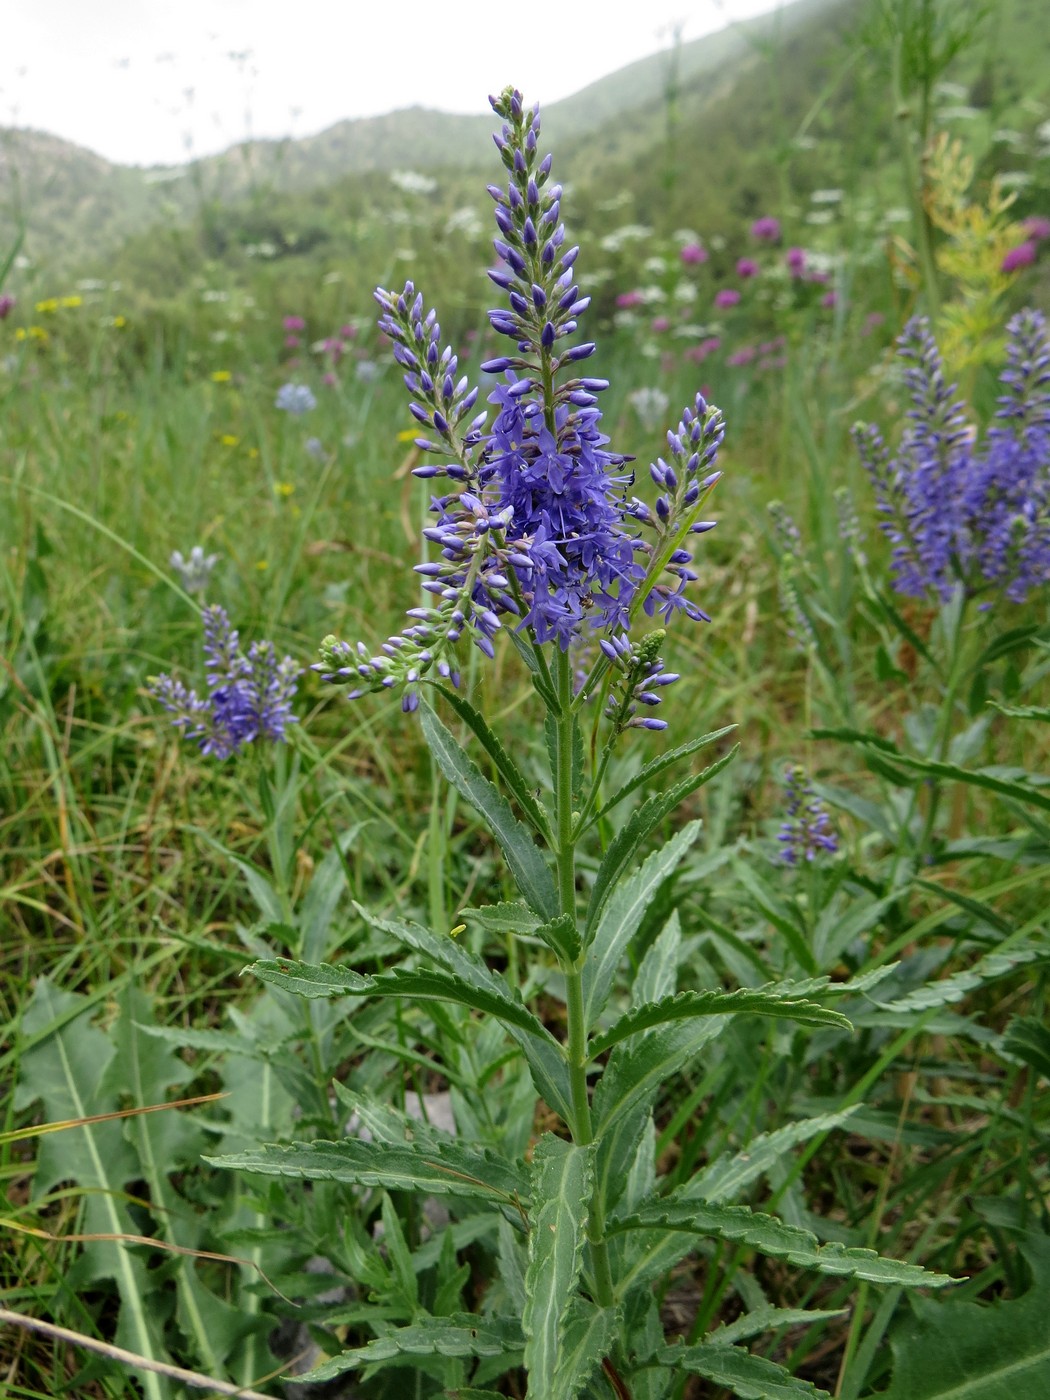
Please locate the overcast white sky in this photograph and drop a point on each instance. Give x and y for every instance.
(159, 81)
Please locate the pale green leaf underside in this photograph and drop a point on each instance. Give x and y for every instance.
(562, 1180)
(324, 980)
(748, 1377)
(434, 1168)
(462, 1335)
(773, 1237)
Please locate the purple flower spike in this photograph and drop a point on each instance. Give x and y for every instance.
(534, 529)
(807, 829)
(249, 697)
(959, 512)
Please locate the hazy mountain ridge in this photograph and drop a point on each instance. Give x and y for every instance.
(75, 202)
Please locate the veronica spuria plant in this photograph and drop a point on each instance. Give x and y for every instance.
(542, 541)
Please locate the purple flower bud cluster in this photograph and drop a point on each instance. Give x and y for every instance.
(249, 697)
(638, 678)
(958, 511)
(807, 827)
(537, 525)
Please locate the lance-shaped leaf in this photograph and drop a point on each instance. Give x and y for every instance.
(745, 1000)
(1020, 786)
(659, 764)
(627, 1090)
(562, 1180)
(769, 1319)
(65, 1067)
(653, 1255)
(732, 1172)
(523, 856)
(546, 1060)
(748, 1377)
(323, 980)
(621, 917)
(590, 1334)
(502, 918)
(771, 1236)
(461, 1334)
(437, 1169)
(649, 815)
(959, 984)
(505, 765)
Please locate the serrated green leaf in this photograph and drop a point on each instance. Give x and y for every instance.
(523, 856)
(658, 973)
(562, 937)
(627, 1090)
(724, 1178)
(546, 1061)
(748, 1377)
(958, 1350)
(659, 764)
(730, 1173)
(461, 1335)
(771, 1236)
(324, 980)
(1026, 788)
(1039, 712)
(443, 1169)
(745, 1000)
(769, 1319)
(382, 1122)
(959, 984)
(590, 1334)
(505, 765)
(639, 825)
(562, 1181)
(621, 917)
(502, 918)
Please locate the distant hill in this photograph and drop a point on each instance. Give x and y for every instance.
(75, 203)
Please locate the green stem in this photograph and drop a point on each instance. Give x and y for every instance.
(578, 1050)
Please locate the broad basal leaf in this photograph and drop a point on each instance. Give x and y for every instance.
(958, 1350)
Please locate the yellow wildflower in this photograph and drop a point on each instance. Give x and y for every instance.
(221, 376)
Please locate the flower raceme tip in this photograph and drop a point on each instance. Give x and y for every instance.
(536, 522)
